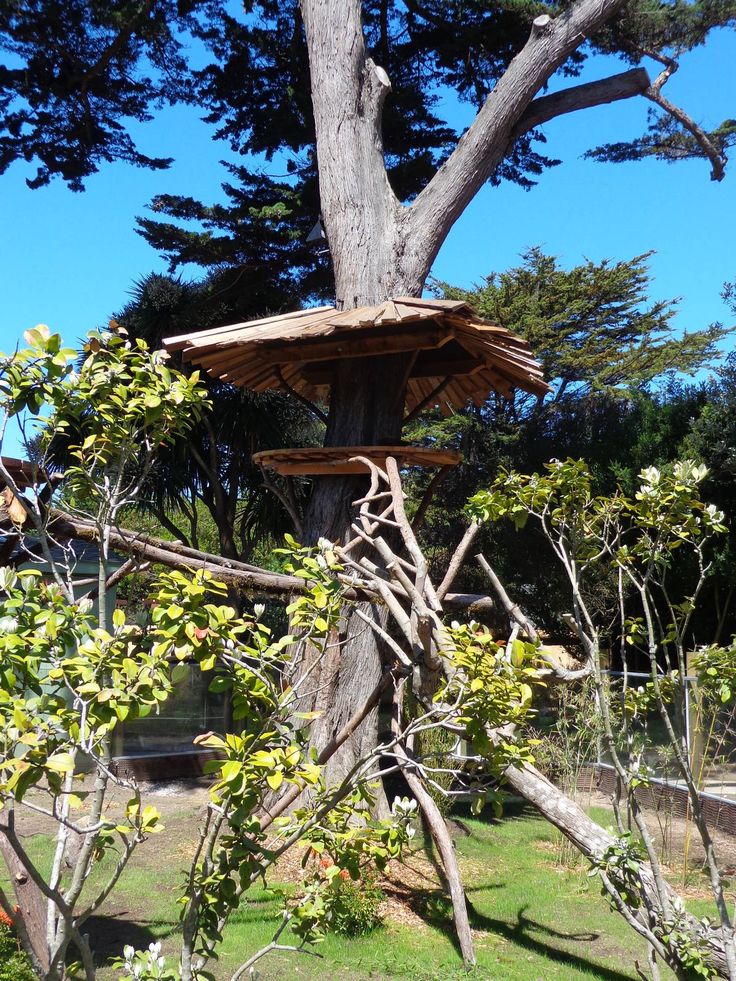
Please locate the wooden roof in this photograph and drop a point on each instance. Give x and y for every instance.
(338, 460)
(459, 356)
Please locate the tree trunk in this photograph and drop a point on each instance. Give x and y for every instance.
(366, 409)
(593, 841)
(30, 911)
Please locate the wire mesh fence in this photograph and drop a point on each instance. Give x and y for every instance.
(705, 729)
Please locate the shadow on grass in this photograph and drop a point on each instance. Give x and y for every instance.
(514, 808)
(435, 909)
(109, 934)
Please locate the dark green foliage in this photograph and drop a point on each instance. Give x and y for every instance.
(712, 440)
(665, 32)
(593, 327)
(354, 907)
(255, 244)
(609, 352)
(77, 70)
(667, 141)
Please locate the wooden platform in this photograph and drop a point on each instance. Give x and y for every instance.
(456, 356)
(339, 460)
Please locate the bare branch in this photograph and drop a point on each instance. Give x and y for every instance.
(716, 156)
(585, 96)
(457, 559)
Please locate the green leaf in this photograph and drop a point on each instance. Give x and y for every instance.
(275, 779)
(60, 763)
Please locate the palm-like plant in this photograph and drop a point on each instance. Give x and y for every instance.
(208, 478)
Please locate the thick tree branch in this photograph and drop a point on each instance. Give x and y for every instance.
(585, 96)
(247, 578)
(717, 158)
(515, 613)
(482, 147)
(593, 842)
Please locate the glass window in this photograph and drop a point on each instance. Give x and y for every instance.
(190, 710)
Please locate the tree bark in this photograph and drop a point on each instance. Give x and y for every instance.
(30, 912)
(366, 409)
(441, 837)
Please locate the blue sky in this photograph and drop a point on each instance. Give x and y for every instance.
(69, 259)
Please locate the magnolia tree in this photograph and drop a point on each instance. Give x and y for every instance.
(653, 551)
(73, 670)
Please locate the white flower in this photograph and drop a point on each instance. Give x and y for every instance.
(650, 476)
(8, 625)
(403, 807)
(128, 952)
(258, 610)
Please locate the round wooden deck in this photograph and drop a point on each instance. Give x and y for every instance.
(340, 460)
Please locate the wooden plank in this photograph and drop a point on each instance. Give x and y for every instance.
(455, 395)
(389, 314)
(425, 368)
(222, 360)
(253, 376)
(420, 388)
(251, 335)
(434, 303)
(338, 460)
(245, 366)
(478, 342)
(256, 383)
(304, 343)
(497, 382)
(364, 346)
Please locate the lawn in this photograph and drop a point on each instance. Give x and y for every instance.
(532, 918)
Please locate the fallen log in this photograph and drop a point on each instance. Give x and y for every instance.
(593, 841)
(250, 579)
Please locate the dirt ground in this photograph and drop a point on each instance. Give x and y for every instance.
(675, 837)
(182, 802)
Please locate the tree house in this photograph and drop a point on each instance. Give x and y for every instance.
(454, 357)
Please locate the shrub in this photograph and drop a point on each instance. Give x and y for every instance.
(14, 963)
(354, 907)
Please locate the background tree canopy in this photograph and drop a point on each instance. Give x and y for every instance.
(620, 401)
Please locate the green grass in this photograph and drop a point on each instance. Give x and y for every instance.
(531, 919)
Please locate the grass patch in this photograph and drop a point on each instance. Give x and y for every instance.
(532, 919)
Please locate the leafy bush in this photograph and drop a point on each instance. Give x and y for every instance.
(14, 964)
(354, 906)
